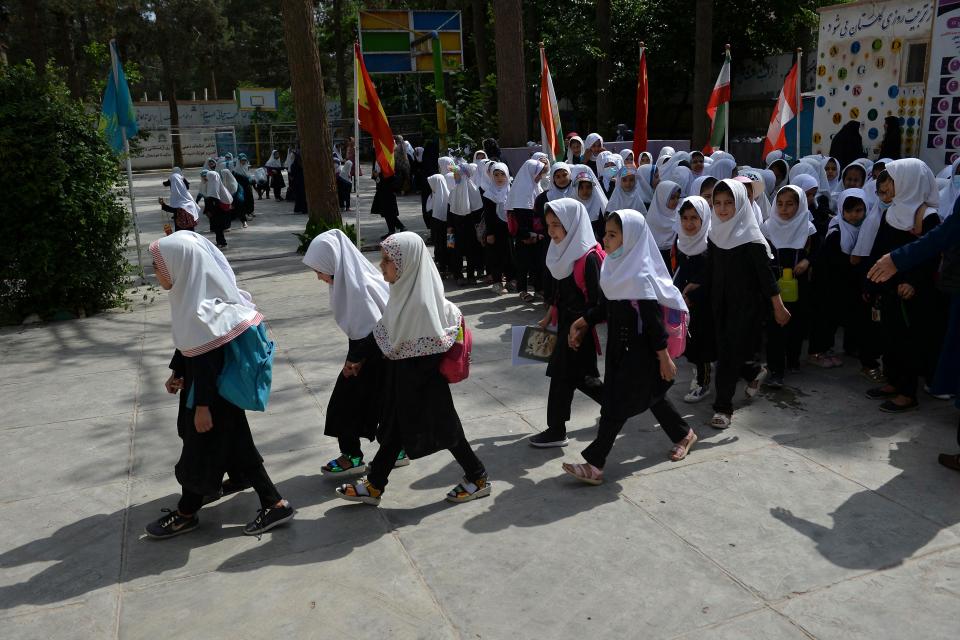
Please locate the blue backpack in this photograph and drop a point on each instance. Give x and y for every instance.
(248, 369)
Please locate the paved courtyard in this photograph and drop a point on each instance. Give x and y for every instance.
(816, 516)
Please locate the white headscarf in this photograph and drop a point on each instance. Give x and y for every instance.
(721, 169)
(409, 149)
(914, 186)
(948, 195)
(665, 152)
(662, 221)
(579, 239)
(497, 194)
(418, 154)
(742, 228)
(836, 185)
(465, 198)
(358, 293)
(583, 149)
(627, 153)
(482, 178)
(207, 309)
(180, 197)
(623, 199)
(773, 156)
(696, 244)
(440, 197)
(229, 180)
(445, 164)
(722, 155)
(792, 233)
(346, 170)
(644, 182)
(215, 188)
(525, 188)
(805, 181)
(697, 185)
(274, 161)
(605, 174)
(758, 191)
(591, 138)
(418, 320)
(638, 272)
(288, 161)
(649, 158)
(597, 203)
(555, 193)
(848, 232)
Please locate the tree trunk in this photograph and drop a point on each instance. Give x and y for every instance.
(340, 55)
(702, 71)
(170, 86)
(306, 79)
(213, 82)
(604, 68)
(33, 24)
(479, 10)
(511, 85)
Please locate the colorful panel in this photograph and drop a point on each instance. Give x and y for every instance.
(449, 41)
(434, 20)
(941, 136)
(386, 20)
(385, 41)
(388, 62)
(451, 62)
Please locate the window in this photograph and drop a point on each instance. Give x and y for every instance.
(915, 63)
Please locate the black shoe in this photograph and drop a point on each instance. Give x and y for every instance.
(877, 393)
(172, 524)
(889, 406)
(547, 439)
(229, 487)
(268, 518)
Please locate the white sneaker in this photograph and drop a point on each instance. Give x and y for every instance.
(693, 380)
(697, 394)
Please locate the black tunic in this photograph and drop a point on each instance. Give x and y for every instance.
(228, 447)
(354, 407)
(571, 304)
(635, 333)
(385, 198)
(701, 341)
(417, 403)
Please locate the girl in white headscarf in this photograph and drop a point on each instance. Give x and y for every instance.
(527, 228)
(639, 371)
(662, 218)
(591, 195)
(741, 288)
(207, 312)
(911, 316)
(950, 193)
(418, 326)
(466, 210)
(722, 169)
(592, 147)
(646, 182)
(628, 159)
(645, 158)
(439, 206)
(497, 245)
(608, 165)
(358, 296)
(274, 169)
(628, 193)
(185, 211)
(573, 262)
(575, 150)
(216, 205)
(693, 225)
(793, 241)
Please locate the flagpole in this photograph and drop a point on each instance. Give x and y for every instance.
(126, 149)
(799, 92)
(726, 113)
(356, 140)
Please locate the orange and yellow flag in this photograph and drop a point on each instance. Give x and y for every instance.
(372, 118)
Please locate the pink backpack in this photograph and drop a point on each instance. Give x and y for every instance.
(580, 278)
(455, 364)
(675, 322)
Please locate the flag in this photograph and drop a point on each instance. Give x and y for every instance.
(718, 105)
(372, 118)
(117, 116)
(640, 122)
(785, 111)
(551, 132)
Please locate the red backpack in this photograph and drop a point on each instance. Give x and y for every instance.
(455, 364)
(580, 278)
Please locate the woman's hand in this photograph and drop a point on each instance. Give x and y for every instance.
(491, 239)
(173, 384)
(883, 270)
(351, 369)
(780, 312)
(906, 291)
(577, 329)
(668, 369)
(202, 419)
(802, 267)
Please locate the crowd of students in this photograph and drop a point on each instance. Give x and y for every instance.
(734, 267)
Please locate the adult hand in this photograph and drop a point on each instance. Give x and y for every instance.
(883, 270)
(202, 419)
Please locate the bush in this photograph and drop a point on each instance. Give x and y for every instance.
(64, 220)
(316, 228)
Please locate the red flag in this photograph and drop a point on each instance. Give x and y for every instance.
(640, 123)
(373, 120)
(785, 111)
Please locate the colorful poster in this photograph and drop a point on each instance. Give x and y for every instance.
(940, 145)
(860, 58)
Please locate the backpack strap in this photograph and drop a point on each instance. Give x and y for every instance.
(580, 278)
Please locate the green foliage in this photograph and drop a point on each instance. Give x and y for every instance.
(471, 111)
(314, 229)
(65, 226)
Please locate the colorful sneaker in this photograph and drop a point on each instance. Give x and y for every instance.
(402, 460)
(172, 524)
(335, 467)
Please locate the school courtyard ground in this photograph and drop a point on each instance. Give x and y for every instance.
(815, 516)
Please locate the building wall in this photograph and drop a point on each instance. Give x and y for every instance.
(860, 57)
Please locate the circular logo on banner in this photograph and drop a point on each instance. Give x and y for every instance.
(954, 65)
(862, 70)
(938, 141)
(940, 123)
(821, 101)
(817, 138)
(837, 118)
(895, 46)
(822, 70)
(943, 105)
(880, 62)
(857, 89)
(854, 113)
(893, 91)
(834, 51)
(842, 73)
(877, 44)
(855, 47)
(873, 133)
(872, 114)
(953, 85)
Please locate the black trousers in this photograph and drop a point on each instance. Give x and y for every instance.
(191, 502)
(466, 246)
(343, 193)
(560, 397)
(393, 223)
(785, 343)
(730, 368)
(350, 445)
(672, 423)
(529, 265)
(386, 457)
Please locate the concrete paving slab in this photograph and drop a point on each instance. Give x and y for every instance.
(763, 624)
(93, 615)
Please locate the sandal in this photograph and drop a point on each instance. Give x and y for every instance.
(402, 460)
(682, 448)
(526, 296)
(585, 472)
(361, 491)
(335, 467)
(753, 388)
(467, 491)
(720, 421)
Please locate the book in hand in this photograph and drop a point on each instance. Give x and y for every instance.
(532, 345)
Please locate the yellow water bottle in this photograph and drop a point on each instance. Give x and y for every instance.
(789, 289)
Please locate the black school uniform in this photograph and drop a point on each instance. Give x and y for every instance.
(227, 448)
(632, 382)
(701, 346)
(741, 285)
(354, 408)
(499, 260)
(784, 344)
(529, 248)
(570, 369)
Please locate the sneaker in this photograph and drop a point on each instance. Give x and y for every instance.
(547, 439)
(693, 381)
(697, 394)
(775, 381)
(937, 396)
(172, 524)
(753, 387)
(268, 518)
(873, 374)
(402, 460)
(879, 393)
